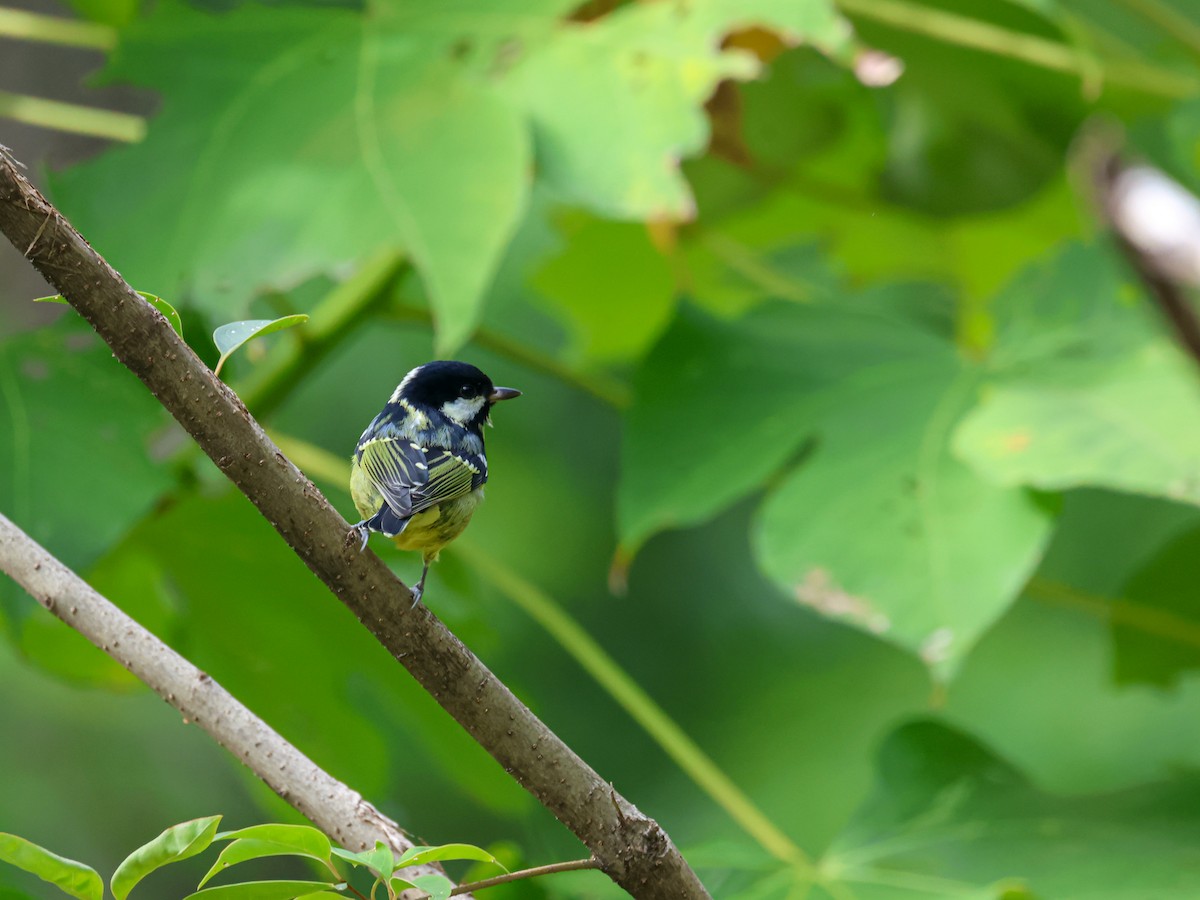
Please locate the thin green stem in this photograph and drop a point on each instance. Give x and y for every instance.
(698, 766)
(28, 26)
(750, 266)
(1157, 622)
(686, 753)
(72, 118)
(603, 387)
(967, 32)
(331, 319)
(574, 865)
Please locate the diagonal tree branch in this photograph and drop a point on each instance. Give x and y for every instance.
(329, 804)
(630, 847)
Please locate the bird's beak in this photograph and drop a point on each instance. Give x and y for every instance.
(500, 393)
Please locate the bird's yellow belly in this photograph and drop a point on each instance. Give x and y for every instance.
(431, 530)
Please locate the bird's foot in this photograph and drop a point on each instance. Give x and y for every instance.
(362, 533)
(420, 588)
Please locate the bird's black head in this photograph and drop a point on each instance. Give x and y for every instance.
(457, 390)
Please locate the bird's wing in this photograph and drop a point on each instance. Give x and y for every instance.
(413, 478)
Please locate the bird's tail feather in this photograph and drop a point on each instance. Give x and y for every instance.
(387, 522)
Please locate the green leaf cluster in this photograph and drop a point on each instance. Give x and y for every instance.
(188, 839)
(894, 466)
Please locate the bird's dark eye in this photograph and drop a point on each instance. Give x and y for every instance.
(466, 390)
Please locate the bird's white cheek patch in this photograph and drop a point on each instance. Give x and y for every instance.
(464, 409)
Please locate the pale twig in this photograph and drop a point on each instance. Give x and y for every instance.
(336, 809)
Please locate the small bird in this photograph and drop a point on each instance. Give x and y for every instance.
(418, 471)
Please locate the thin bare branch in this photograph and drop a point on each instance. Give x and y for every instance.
(574, 865)
(329, 804)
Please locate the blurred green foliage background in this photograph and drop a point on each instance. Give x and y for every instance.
(826, 370)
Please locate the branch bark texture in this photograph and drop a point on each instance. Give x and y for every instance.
(630, 847)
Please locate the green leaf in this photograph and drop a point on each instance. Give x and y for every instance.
(305, 838)
(407, 143)
(946, 814)
(437, 886)
(1087, 391)
(812, 131)
(172, 314)
(611, 286)
(379, 860)
(1135, 426)
(264, 890)
(417, 131)
(1155, 631)
(879, 525)
(418, 856)
(258, 841)
(906, 515)
(231, 336)
(616, 103)
(59, 387)
(725, 388)
(882, 527)
(176, 843)
(69, 876)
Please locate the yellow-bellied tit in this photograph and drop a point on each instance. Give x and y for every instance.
(419, 469)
